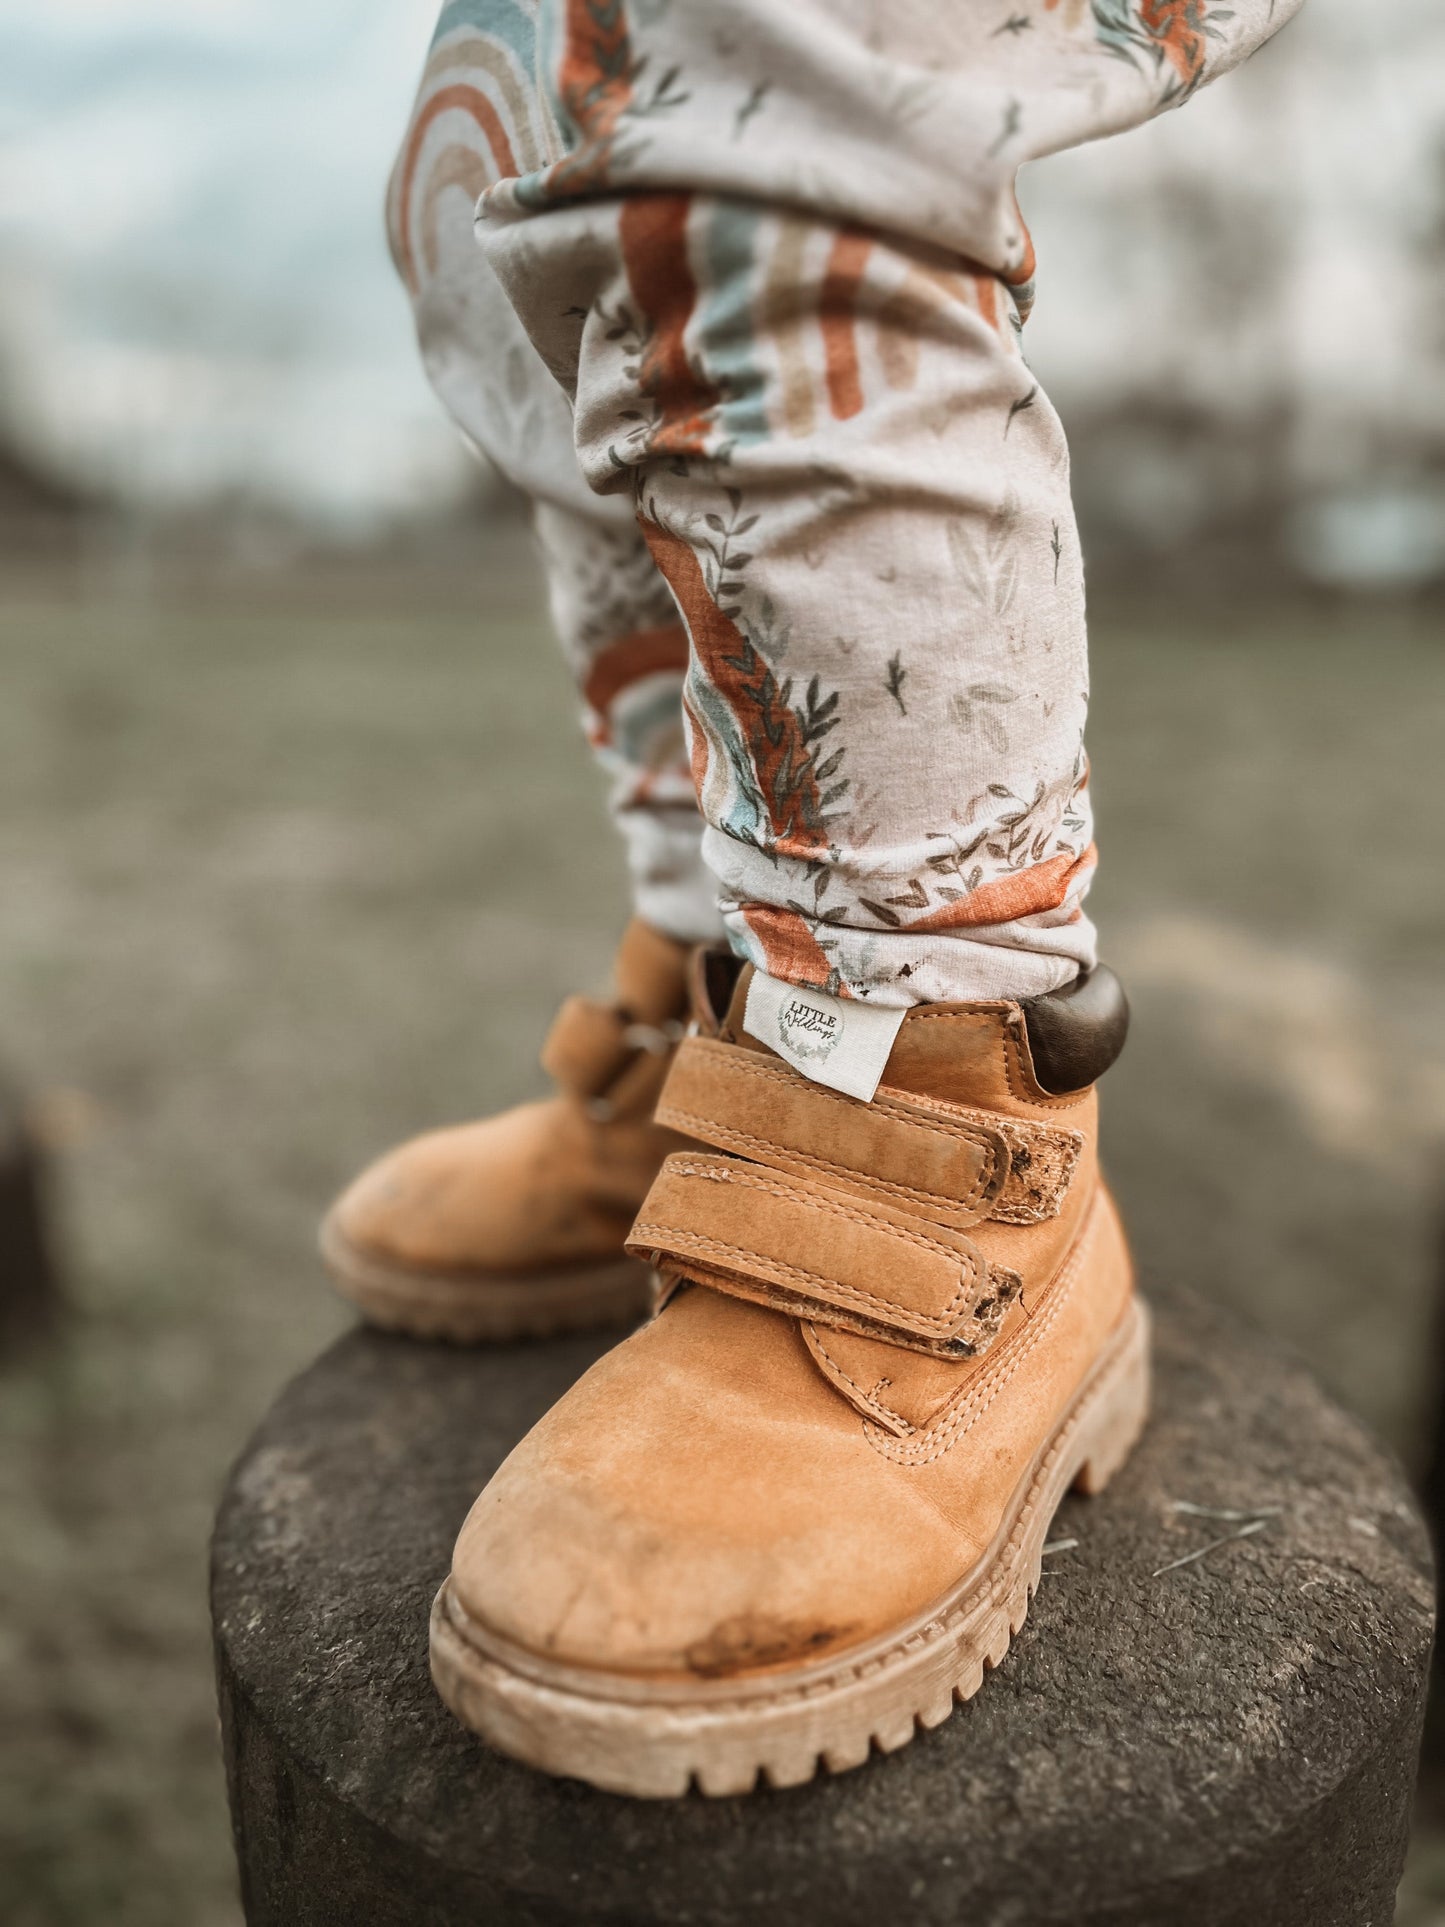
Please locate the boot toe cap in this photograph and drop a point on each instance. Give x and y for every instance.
(654, 1523)
(503, 1194)
(410, 1206)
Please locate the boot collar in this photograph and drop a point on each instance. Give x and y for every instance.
(1039, 1050)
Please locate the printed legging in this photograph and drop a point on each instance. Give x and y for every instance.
(735, 293)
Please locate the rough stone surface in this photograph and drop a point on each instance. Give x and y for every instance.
(1231, 1742)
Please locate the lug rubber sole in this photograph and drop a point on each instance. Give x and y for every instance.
(471, 1308)
(655, 1740)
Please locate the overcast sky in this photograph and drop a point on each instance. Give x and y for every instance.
(194, 284)
(195, 292)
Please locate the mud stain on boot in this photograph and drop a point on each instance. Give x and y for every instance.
(749, 1641)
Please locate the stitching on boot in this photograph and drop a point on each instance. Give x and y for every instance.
(1024, 1135)
(688, 1122)
(885, 1413)
(667, 1236)
(944, 1432)
(1014, 1071)
(956, 1421)
(1012, 1059)
(754, 1178)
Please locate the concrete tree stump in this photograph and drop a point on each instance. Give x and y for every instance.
(1230, 1741)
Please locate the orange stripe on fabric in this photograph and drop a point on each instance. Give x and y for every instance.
(473, 102)
(473, 52)
(791, 949)
(838, 321)
(653, 232)
(771, 731)
(1043, 886)
(645, 652)
(697, 751)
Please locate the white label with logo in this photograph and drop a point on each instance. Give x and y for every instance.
(835, 1041)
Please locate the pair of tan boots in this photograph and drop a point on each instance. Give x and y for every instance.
(802, 1508)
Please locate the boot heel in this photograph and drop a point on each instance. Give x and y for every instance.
(1120, 1409)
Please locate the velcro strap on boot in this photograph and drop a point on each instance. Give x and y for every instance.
(594, 1047)
(822, 1254)
(957, 1166)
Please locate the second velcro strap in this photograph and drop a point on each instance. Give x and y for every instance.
(821, 1254)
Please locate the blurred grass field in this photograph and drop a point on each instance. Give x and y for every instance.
(295, 865)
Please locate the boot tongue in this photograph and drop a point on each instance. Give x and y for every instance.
(650, 974)
(731, 1028)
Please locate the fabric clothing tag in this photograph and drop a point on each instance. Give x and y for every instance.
(835, 1041)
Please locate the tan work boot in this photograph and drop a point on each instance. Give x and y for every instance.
(804, 1508)
(514, 1226)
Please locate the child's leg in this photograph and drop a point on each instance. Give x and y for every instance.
(478, 116)
(803, 1509)
(782, 267)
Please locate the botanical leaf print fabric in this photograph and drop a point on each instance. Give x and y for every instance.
(745, 320)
